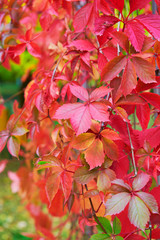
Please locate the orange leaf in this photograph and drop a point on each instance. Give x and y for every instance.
(95, 154)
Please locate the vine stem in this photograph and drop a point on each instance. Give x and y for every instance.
(94, 212)
(132, 151)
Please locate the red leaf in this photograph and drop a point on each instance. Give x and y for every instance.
(113, 67)
(135, 33)
(121, 39)
(152, 98)
(66, 182)
(118, 4)
(129, 78)
(151, 23)
(144, 69)
(82, 17)
(156, 233)
(13, 146)
(82, 45)
(34, 49)
(135, 237)
(137, 4)
(143, 115)
(52, 186)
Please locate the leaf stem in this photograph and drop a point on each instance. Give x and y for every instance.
(132, 151)
(94, 212)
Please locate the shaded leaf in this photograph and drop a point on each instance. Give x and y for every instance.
(83, 141)
(100, 236)
(52, 186)
(116, 226)
(149, 200)
(13, 146)
(117, 203)
(144, 69)
(138, 213)
(103, 182)
(140, 181)
(84, 176)
(113, 67)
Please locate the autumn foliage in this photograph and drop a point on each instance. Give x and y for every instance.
(88, 134)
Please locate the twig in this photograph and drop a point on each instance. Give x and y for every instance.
(132, 151)
(94, 212)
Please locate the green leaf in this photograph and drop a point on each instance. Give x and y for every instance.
(42, 162)
(119, 238)
(17, 236)
(106, 224)
(116, 226)
(99, 236)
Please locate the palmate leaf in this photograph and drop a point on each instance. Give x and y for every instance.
(80, 114)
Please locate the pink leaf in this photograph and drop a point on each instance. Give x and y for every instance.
(34, 49)
(79, 92)
(81, 121)
(15, 185)
(68, 110)
(151, 23)
(140, 181)
(3, 139)
(121, 183)
(3, 164)
(82, 45)
(82, 17)
(99, 93)
(13, 146)
(19, 131)
(99, 111)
